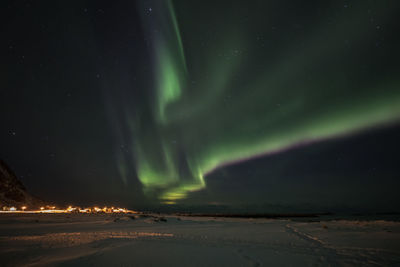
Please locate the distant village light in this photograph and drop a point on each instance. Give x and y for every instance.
(70, 209)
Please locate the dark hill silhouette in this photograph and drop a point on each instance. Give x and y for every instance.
(13, 192)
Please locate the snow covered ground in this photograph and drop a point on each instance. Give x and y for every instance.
(110, 240)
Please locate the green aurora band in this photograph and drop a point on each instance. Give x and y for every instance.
(231, 89)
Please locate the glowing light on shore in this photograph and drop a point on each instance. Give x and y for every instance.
(70, 209)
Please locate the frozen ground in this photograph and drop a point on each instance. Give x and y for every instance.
(107, 240)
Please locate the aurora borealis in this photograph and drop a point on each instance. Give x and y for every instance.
(243, 88)
(181, 102)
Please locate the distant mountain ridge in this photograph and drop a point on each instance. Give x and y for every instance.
(13, 192)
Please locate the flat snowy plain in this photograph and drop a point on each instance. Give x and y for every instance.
(134, 240)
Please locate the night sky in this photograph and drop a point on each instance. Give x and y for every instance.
(244, 105)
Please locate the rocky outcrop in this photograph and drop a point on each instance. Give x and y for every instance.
(13, 192)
